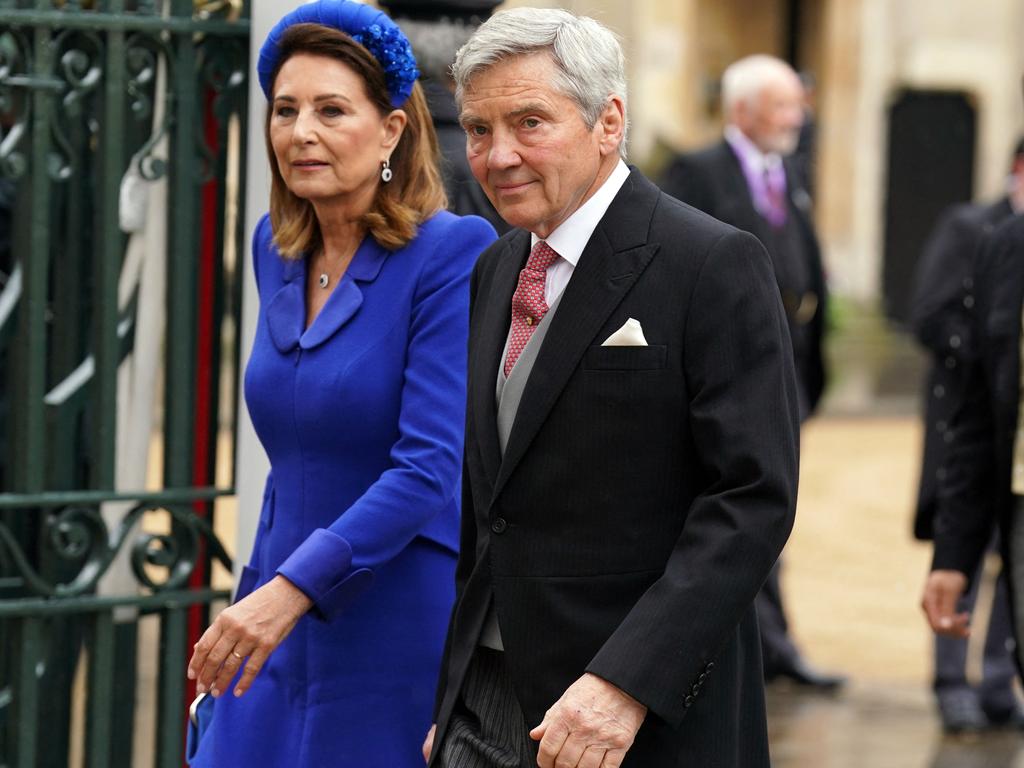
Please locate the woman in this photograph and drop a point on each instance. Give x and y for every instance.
(356, 389)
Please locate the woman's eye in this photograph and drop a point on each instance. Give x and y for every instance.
(285, 112)
(329, 111)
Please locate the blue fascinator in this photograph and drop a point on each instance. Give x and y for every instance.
(369, 27)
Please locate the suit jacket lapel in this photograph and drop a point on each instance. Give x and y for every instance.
(495, 308)
(615, 256)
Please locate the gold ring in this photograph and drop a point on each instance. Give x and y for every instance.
(237, 655)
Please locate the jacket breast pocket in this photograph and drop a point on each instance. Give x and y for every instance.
(649, 358)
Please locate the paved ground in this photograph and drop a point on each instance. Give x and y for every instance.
(853, 577)
(852, 571)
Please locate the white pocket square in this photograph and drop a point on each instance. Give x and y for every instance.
(629, 335)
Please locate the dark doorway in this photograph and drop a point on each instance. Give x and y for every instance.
(930, 166)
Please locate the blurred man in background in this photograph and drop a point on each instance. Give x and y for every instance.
(436, 30)
(748, 180)
(942, 310)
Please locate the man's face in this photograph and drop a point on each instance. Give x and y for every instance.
(772, 119)
(528, 145)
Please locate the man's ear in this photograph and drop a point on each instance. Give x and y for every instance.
(612, 125)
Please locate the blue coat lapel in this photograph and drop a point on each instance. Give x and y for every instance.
(286, 311)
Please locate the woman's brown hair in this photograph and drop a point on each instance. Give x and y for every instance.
(415, 192)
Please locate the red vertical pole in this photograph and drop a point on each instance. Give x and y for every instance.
(204, 425)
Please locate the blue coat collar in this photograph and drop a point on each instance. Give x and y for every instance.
(286, 311)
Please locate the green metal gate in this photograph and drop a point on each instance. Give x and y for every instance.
(106, 107)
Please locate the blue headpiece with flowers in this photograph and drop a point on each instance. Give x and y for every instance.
(369, 27)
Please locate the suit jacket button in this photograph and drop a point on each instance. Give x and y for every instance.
(710, 666)
(499, 525)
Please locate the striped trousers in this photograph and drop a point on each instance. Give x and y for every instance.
(487, 727)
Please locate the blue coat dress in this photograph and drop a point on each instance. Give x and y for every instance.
(362, 417)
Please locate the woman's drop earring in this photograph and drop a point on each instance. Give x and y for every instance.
(385, 171)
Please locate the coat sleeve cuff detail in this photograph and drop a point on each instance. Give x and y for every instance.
(322, 568)
(948, 556)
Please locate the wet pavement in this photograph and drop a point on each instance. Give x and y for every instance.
(852, 579)
(877, 725)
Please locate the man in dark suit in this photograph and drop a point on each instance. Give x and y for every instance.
(631, 443)
(983, 488)
(941, 313)
(747, 180)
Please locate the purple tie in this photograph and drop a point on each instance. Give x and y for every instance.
(775, 194)
(528, 304)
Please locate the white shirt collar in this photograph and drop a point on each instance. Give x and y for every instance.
(571, 236)
(753, 153)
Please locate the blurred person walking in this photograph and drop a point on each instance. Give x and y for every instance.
(748, 180)
(356, 387)
(982, 489)
(631, 437)
(436, 30)
(941, 312)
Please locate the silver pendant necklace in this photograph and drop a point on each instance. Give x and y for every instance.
(324, 279)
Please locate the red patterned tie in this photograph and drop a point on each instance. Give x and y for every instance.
(528, 304)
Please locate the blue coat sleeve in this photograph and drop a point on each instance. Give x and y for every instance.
(334, 565)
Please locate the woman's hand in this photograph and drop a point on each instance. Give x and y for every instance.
(253, 627)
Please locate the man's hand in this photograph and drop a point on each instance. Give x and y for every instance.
(428, 743)
(592, 726)
(252, 627)
(942, 591)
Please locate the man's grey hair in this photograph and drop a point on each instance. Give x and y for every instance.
(744, 80)
(435, 42)
(588, 58)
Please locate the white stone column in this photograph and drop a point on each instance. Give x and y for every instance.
(251, 461)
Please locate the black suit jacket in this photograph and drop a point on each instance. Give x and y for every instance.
(976, 494)
(941, 314)
(645, 492)
(713, 181)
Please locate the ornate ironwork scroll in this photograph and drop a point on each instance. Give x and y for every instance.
(79, 535)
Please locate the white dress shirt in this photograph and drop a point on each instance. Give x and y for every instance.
(573, 234)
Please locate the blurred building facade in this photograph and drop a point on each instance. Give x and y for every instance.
(867, 57)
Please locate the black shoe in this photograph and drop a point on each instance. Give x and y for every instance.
(1002, 717)
(961, 713)
(803, 674)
